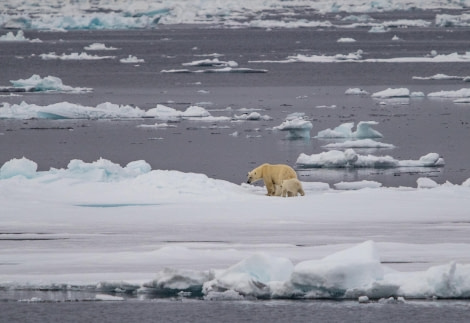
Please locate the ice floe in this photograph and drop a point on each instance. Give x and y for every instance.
(99, 46)
(442, 77)
(360, 143)
(346, 40)
(74, 56)
(349, 158)
(212, 62)
(357, 57)
(356, 91)
(253, 116)
(296, 128)
(131, 59)
(397, 93)
(36, 83)
(345, 130)
(218, 70)
(19, 37)
(107, 110)
(462, 93)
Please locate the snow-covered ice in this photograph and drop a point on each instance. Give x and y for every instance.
(131, 59)
(360, 143)
(106, 110)
(296, 128)
(99, 46)
(74, 56)
(345, 130)
(19, 37)
(349, 158)
(36, 83)
(121, 231)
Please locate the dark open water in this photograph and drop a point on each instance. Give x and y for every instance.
(234, 311)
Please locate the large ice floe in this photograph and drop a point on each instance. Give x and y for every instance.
(36, 83)
(107, 110)
(349, 158)
(133, 230)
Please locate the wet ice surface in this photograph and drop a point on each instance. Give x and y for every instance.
(226, 150)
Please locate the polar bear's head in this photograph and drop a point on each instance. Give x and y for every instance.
(255, 175)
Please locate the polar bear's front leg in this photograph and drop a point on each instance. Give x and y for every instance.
(270, 187)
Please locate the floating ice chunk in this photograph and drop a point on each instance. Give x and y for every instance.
(18, 167)
(344, 130)
(379, 29)
(228, 295)
(157, 125)
(361, 143)
(396, 38)
(252, 275)
(255, 116)
(446, 20)
(232, 70)
(363, 299)
(462, 93)
(392, 93)
(49, 83)
(99, 46)
(439, 77)
(132, 60)
(74, 56)
(212, 62)
(297, 128)
(346, 40)
(173, 281)
(424, 182)
(108, 298)
(349, 158)
(19, 37)
(355, 268)
(357, 185)
(356, 91)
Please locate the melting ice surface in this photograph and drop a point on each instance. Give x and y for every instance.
(161, 201)
(344, 130)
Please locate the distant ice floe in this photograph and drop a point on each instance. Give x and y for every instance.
(212, 62)
(442, 77)
(157, 126)
(296, 126)
(74, 56)
(356, 91)
(462, 93)
(446, 20)
(218, 70)
(350, 159)
(363, 130)
(38, 84)
(19, 37)
(99, 46)
(397, 93)
(132, 60)
(346, 40)
(357, 57)
(66, 110)
(361, 143)
(253, 116)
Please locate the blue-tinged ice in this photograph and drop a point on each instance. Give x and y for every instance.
(344, 130)
(296, 128)
(18, 167)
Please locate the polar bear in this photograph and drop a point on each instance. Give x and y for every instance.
(272, 175)
(291, 187)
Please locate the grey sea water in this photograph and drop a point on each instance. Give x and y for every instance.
(227, 150)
